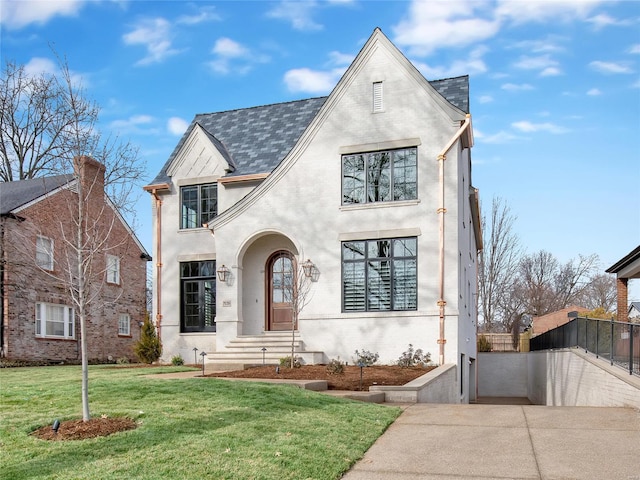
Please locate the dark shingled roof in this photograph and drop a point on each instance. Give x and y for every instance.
(18, 193)
(255, 140)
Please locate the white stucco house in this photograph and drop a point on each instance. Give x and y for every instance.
(369, 188)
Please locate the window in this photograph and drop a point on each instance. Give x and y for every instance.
(54, 321)
(384, 176)
(124, 325)
(113, 269)
(380, 275)
(198, 287)
(44, 253)
(199, 204)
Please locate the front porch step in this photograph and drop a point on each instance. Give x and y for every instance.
(246, 350)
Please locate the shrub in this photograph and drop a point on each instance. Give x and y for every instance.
(412, 358)
(122, 361)
(286, 362)
(366, 358)
(148, 349)
(177, 360)
(335, 366)
(484, 344)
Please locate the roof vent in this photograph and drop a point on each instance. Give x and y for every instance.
(377, 97)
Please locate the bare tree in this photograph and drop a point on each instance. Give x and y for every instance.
(298, 290)
(498, 263)
(599, 293)
(49, 127)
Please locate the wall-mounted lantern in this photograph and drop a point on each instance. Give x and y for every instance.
(307, 268)
(223, 274)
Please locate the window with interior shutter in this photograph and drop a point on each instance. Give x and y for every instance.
(377, 97)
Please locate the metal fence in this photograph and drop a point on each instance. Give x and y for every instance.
(618, 342)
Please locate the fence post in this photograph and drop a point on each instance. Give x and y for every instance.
(611, 349)
(597, 334)
(630, 348)
(586, 335)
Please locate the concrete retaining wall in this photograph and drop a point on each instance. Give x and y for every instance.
(437, 386)
(558, 377)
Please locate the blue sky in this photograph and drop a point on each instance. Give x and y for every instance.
(555, 87)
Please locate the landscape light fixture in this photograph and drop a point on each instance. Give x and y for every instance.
(55, 426)
(307, 268)
(203, 354)
(223, 274)
(195, 355)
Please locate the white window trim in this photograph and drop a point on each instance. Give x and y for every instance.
(43, 250)
(41, 321)
(124, 325)
(113, 269)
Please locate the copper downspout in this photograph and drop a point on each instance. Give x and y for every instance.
(158, 257)
(441, 211)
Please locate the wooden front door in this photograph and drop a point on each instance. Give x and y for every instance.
(280, 283)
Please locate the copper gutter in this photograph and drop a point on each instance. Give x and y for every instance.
(153, 190)
(441, 211)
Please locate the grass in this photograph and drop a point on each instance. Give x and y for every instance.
(188, 428)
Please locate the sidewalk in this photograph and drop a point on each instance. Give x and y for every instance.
(446, 442)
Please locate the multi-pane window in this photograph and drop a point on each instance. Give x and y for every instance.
(113, 269)
(384, 176)
(198, 286)
(54, 320)
(380, 275)
(44, 252)
(199, 204)
(124, 324)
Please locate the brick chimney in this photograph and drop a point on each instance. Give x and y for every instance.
(91, 174)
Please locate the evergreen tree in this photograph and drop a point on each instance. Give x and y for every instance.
(149, 348)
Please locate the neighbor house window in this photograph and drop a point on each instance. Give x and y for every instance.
(199, 204)
(124, 324)
(384, 176)
(113, 269)
(380, 275)
(54, 320)
(198, 290)
(44, 253)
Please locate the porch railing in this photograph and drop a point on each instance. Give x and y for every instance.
(618, 342)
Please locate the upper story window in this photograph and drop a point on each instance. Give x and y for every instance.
(380, 275)
(44, 253)
(199, 204)
(113, 269)
(54, 320)
(384, 176)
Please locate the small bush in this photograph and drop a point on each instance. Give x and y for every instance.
(335, 366)
(148, 349)
(366, 358)
(177, 360)
(412, 358)
(286, 362)
(484, 344)
(122, 361)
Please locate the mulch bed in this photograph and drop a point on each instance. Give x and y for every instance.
(79, 430)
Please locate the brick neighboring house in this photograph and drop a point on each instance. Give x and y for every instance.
(544, 323)
(39, 319)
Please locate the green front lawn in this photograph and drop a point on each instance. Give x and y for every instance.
(188, 428)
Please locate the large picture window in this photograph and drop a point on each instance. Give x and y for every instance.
(198, 286)
(380, 275)
(199, 204)
(384, 176)
(54, 321)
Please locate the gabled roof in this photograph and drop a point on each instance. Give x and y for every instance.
(635, 305)
(255, 140)
(16, 194)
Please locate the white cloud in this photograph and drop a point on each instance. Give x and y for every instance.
(299, 14)
(18, 14)
(603, 20)
(544, 63)
(312, 81)
(233, 57)
(610, 67)
(131, 122)
(177, 126)
(634, 49)
(550, 44)
(205, 14)
(594, 92)
(473, 65)
(512, 87)
(551, 72)
(44, 66)
(528, 127)
(431, 25)
(485, 99)
(519, 12)
(340, 59)
(155, 34)
(497, 138)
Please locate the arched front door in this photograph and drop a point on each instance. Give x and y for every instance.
(280, 284)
